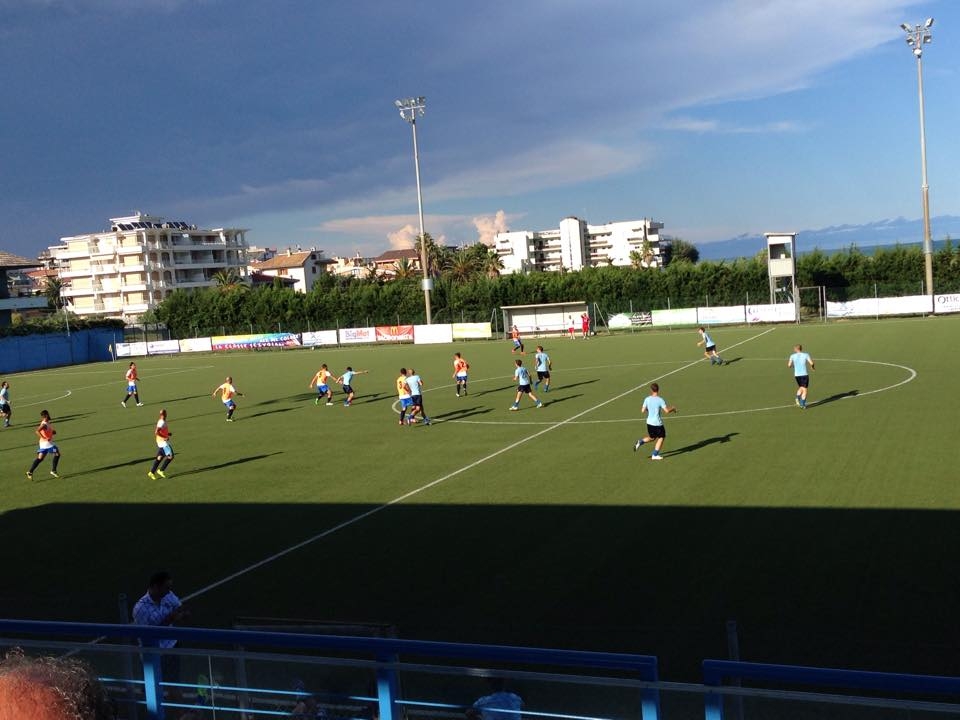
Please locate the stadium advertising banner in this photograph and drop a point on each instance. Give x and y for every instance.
(430, 334)
(624, 321)
(163, 347)
(681, 316)
(472, 331)
(946, 303)
(196, 345)
(131, 349)
(323, 337)
(867, 307)
(719, 315)
(252, 342)
(349, 336)
(780, 312)
(394, 333)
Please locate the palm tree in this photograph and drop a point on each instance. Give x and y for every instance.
(461, 266)
(433, 255)
(403, 269)
(492, 264)
(229, 280)
(636, 259)
(54, 291)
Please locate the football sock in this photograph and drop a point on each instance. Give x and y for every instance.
(34, 466)
(156, 464)
(166, 462)
(56, 461)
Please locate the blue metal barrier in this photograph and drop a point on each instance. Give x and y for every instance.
(384, 652)
(715, 672)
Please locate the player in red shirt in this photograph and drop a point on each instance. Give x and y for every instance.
(585, 324)
(46, 446)
(132, 378)
(460, 367)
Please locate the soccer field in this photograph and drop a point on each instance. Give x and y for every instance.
(828, 533)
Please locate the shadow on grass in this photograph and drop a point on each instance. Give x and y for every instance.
(461, 413)
(700, 445)
(834, 398)
(548, 398)
(129, 463)
(228, 463)
(567, 386)
(491, 390)
(265, 412)
(185, 397)
(731, 362)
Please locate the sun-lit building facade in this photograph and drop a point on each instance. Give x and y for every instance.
(141, 260)
(577, 244)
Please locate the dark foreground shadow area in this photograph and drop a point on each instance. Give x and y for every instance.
(872, 589)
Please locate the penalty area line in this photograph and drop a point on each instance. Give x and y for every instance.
(423, 488)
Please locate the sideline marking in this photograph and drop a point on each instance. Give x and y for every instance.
(399, 499)
(678, 416)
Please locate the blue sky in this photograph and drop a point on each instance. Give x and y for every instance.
(716, 117)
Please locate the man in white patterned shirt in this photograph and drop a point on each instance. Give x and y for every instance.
(160, 606)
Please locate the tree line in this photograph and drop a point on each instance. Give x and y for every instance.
(469, 288)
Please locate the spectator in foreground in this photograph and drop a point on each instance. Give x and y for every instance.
(500, 704)
(48, 688)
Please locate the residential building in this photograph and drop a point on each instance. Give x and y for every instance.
(576, 245)
(14, 265)
(386, 263)
(141, 260)
(303, 266)
(357, 267)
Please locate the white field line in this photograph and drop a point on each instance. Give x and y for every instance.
(406, 496)
(912, 374)
(107, 384)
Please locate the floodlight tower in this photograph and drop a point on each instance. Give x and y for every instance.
(409, 109)
(917, 37)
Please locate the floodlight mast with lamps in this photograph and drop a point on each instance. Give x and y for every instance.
(409, 109)
(917, 37)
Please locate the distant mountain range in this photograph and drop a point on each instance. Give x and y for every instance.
(879, 233)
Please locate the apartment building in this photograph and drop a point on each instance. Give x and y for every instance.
(141, 260)
(304, 267)
(576, 245)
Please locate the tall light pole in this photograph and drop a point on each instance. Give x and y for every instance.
(917, 37)
(409, 109)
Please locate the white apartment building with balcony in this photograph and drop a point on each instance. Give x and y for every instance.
(132, 267)
(576, 245)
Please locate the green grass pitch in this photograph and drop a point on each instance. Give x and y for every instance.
(828, 534)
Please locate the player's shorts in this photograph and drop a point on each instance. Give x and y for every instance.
(44, 450)
(230, 404)
(417, 400)
(406, 403)
(165, 449)
(803, 380)
(524, 389)
(543, 374)
(517, 343)
(710, 348)
(656, 431)
(131, 387)
(461, 377)
(348, 389)
(323, 389)
(5, 408)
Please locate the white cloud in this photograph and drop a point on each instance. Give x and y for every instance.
(694, 125)
(487, 226)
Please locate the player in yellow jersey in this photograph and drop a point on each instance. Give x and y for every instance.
(404, 395)
(227, 392)
(164, 450)
(322, 380)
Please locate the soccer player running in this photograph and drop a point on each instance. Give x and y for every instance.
(544, 366)
(132, 379)
(800, 360)
(517, 341)
(709, 347)
(522, 376)
(5, 410)
(347, 381)
(460, 367)
(653, 406)
(46, 445)
(322, 380)
(164, 451)
(227, 392)
(415, 383)
(404, 395)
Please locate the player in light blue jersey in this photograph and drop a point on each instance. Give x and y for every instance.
(709, 347)
(522, 376)
(800, 361)
(544, 366)
(415, 383)
(654, 406)
(346, 380)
